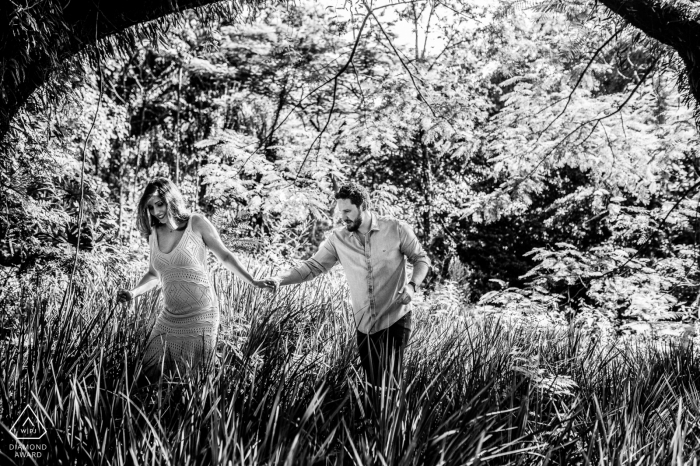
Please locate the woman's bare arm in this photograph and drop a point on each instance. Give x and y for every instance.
(211, 238)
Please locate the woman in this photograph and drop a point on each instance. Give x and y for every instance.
(186, 329)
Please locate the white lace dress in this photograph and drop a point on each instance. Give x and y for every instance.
(186, 329)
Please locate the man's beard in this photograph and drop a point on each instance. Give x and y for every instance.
(355, 224)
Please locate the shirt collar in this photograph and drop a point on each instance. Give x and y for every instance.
(373, 225)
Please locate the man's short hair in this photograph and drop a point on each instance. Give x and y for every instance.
(357, 194)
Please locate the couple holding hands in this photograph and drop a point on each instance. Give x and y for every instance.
(372, 250)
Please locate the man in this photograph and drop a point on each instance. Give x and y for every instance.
(373, 250)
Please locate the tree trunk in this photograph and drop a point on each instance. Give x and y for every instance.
(36, 38)
(176, 125)
(671, 24)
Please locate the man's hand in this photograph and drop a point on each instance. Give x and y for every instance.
(273, 283)
(406, 295)
(264, 284)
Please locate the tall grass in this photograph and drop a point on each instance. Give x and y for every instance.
(289, 389)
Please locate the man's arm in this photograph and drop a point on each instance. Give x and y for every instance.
(321, 262)
(420, 270)
(411, 248)
(295, 276)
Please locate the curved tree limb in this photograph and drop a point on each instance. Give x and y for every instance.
(37, 38)
(672, 24)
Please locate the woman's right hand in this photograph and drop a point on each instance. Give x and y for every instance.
(124, 296)
(270, 284)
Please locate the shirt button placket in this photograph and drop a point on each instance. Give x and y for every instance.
(370, 285)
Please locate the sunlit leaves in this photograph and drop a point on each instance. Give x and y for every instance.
(623, 143)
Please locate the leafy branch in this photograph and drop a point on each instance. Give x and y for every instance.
(578, 82)
(595, 121)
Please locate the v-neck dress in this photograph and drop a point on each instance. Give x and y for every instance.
(186, 329)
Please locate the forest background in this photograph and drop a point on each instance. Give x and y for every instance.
(543, 153)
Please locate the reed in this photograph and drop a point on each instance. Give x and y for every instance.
(289, 390)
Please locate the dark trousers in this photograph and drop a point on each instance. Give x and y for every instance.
(381, 353)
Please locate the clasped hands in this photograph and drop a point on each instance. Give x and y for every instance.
(271, 284)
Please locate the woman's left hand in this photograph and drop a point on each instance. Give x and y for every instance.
(124, 296)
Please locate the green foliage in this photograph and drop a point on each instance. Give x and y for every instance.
(41, 190)
(524, 125)
(539, 151)
(612, 284)
(578, 126)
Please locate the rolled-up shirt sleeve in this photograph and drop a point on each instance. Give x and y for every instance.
(410, 247)
(321, 262)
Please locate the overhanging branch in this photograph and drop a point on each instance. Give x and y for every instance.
(671, 23)
(65, 28)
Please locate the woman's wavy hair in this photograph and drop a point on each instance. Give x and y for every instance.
(170, 194)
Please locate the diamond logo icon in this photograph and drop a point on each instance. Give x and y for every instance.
(28, 426)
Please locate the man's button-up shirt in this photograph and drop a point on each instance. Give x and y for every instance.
(376, 271)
